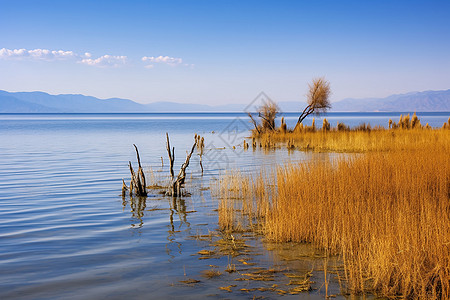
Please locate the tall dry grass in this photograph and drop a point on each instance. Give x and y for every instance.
(355, 140)
(407, 133)
(386, 213)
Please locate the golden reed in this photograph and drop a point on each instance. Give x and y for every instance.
(386, 213)
(407, 133)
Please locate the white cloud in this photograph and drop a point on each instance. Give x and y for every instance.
(45, 54)
(86, 58)
(171, 61)
(16, 53)
(52, 55)
(38, 54)
(105, 61)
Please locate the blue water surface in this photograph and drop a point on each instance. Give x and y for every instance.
(65, 230)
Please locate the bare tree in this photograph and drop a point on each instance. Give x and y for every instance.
(317, 99)
(267, 112)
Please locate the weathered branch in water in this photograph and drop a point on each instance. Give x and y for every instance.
(200, 149)
(124, 188)
(171, 155)
(178, 183)
(254, 122)
(133, 180)
(141, 175)
(137, 180)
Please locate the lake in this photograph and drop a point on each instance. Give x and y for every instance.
(66, 232)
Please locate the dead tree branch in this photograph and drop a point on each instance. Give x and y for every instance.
(137, 180)
(124, 188)
(254, 122)
(179, 182)
(171, 155)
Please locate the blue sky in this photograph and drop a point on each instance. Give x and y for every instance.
(218, 52)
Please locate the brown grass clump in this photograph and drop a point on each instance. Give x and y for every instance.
(211, 273)
(446, 125)
(387, 214)
(326, 125)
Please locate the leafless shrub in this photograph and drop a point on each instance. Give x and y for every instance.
(317, 98)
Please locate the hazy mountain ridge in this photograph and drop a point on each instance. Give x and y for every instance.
(40, 102)
(67, 103)
(415, 101)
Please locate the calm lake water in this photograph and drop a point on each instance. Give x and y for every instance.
(66, 232)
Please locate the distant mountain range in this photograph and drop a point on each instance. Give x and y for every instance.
(40, 102)
(415, 101)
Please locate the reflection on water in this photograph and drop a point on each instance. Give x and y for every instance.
(177, 206)
(138, 206)
(176, 209)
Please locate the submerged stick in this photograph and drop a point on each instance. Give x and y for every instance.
(171, 155)
(138, 180)
(133, 178)
(200, 147)
(177, 184)
(124, 188)
(137, 154)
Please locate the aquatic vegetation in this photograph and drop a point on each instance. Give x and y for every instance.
(211, 273)
(385, 213)
(227, 288)
(406, 134)
(190, 281)
(231, 268)
(244, 273)
(205, 252)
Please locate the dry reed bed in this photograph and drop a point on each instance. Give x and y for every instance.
(407, 133)
(386, 213)
(355, 140)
